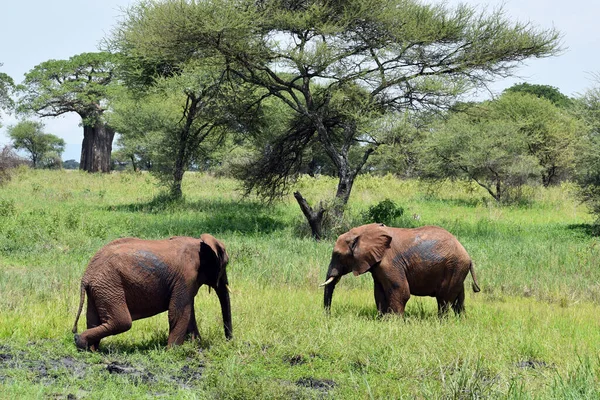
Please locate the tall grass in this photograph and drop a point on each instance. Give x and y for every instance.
(531, 333)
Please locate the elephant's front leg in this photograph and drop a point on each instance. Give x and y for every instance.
(180, 315)
(192, 329)
(398, 296)
(391, 289)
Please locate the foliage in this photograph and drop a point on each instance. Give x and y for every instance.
(386, 211)
(542, 91)
(7, 86)
(337, 66)
(531, 332)
(44, 148)
(79, 84)
(503, 144)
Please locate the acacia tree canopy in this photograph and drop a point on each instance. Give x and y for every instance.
(371, 56)
(543, 91)
(82, 85)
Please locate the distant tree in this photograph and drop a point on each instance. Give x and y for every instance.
(43, 148)
(491, 152)
(542, 91)
(337, 66)
(587, 107)
(80, 84)
(503, 144)
(551, 132)
(7, 86)
(71, 164)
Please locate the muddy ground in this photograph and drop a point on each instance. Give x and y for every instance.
(38, 366)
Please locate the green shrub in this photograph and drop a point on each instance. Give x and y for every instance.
(385, 212)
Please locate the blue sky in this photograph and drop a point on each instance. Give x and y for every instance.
(35, 31)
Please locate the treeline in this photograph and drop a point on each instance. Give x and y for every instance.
(267, 90)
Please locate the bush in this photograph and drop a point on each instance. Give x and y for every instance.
(9, 160)
(385, 212)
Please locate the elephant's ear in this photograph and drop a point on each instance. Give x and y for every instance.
(211, 247)
(369, 248)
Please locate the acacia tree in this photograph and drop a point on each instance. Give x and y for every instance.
(333, 63)
(80, 84)
(503, 144)
(174, 119)
(42, 147)
(587, 107)
(550, 131)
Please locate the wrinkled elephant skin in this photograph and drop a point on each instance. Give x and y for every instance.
(130, 279)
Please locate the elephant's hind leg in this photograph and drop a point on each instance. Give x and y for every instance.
(458, 305)
(443, 306)
(106, 316)
(93, 320)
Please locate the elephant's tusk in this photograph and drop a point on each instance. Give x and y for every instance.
(227, 287)
(327, 282)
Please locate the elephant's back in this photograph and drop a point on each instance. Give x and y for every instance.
(431, 242)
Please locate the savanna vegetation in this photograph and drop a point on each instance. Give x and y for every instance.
(230, 115)
(531, 333)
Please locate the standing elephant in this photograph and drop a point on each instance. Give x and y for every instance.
(426, 261)
(130, 279)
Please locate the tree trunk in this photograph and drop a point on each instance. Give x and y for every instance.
(96, 148)
(315, 218)
(342, 195)
(176, 192)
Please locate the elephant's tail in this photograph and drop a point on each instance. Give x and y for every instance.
(82, 297)
(475, 285)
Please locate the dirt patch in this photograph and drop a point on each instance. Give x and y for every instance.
(533, 364)
(294, 360)
(5, 354)
(136, 375)
(188, 375)
(323, 385)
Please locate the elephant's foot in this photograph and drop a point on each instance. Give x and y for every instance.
(193, 336)
(80, 343)
(83, 345)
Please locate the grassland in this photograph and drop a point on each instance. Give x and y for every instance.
(533, 331)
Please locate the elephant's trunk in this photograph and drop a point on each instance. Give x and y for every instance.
(222, 290)
(328, 296)
(333, 278)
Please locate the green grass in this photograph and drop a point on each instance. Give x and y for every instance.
(533, 331)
